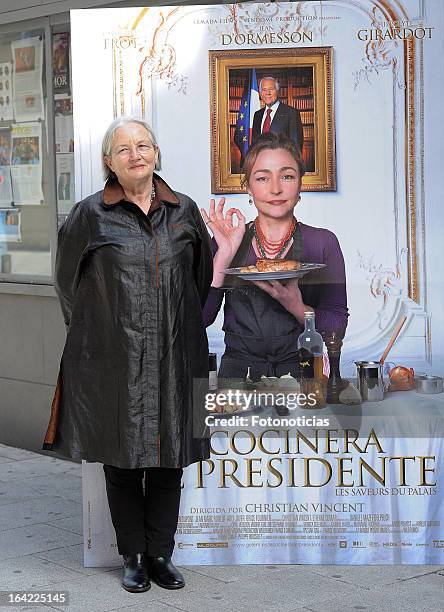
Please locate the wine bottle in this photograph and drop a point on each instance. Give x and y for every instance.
(310, 340)
(310, 349)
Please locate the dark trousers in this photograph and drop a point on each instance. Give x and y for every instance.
(144, 520)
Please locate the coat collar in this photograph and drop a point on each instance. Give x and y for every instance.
(113, 193)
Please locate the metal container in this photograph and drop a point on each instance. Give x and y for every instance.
(429, 384)
(370, 380)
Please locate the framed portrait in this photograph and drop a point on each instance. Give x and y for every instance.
(302, 80)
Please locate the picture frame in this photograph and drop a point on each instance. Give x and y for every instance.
(305, 76)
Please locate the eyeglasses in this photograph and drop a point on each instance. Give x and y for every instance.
(141, 149)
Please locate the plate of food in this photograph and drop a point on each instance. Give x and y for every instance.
(274, 269)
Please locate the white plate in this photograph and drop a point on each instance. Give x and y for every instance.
(284, 274)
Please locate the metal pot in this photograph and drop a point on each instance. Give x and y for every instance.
(370, 380)
(429, 384)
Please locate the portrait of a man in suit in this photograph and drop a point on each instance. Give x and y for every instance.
(276, 116)
(258, 91)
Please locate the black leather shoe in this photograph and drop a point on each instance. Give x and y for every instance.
(135, 574)
(164, 573)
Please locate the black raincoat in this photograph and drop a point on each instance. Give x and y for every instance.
(131, 288)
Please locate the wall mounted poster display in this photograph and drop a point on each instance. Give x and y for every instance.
(27, 77)
(373, 139)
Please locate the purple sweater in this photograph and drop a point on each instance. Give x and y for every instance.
(323, 290)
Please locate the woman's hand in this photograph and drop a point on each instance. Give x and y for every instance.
(228, 236)
(288, 294)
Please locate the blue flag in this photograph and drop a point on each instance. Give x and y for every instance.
(242, 133)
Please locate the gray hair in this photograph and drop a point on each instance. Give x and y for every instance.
(108, 138)
(269, 78)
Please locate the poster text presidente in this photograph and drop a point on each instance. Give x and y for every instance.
(295, 460)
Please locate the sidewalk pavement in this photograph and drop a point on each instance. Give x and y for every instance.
(41, 549)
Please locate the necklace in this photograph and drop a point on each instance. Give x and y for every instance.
(153, 194)
(274, 247)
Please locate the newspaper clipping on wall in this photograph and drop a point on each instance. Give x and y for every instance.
(26, 163)
(10, 225)
(6, 111)
(64, 131)
(28, 66)
(60, 63)
(6, 198)
(65, 182)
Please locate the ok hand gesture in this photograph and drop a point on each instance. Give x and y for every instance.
(227, 235)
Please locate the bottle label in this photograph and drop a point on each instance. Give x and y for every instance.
(306, 364)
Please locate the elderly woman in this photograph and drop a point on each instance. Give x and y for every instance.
(262, 323)
(133, 270)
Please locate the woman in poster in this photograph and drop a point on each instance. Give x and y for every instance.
(262, 322)
(133, 270)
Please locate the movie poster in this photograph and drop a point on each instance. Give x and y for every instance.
(361, 83)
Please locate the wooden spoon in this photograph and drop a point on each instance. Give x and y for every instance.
(393, 339)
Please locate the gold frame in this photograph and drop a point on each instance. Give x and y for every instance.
(391, 13)
(321, 58)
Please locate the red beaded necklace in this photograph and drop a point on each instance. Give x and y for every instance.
(273, 247)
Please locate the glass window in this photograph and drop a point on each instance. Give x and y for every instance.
(26, 179)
